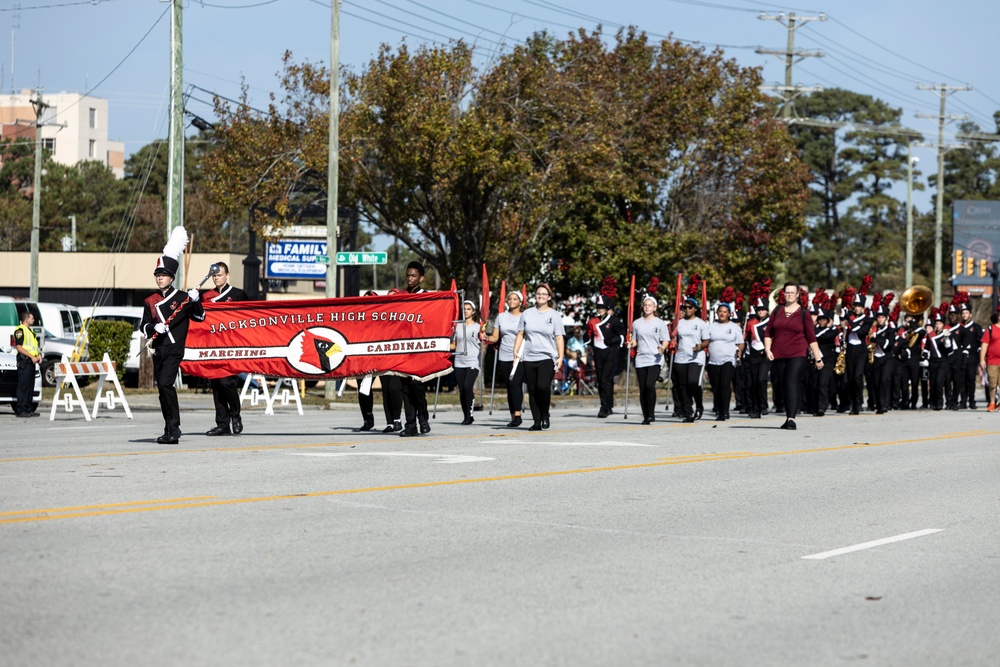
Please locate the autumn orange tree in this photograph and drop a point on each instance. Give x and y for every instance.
(564, 160)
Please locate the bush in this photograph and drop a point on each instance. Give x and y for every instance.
(113, 337)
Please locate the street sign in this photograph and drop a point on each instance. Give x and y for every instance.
(355, 258)
(323, 259)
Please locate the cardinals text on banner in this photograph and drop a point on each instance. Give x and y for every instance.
(402, 334)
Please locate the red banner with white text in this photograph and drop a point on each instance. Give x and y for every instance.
(402, 334)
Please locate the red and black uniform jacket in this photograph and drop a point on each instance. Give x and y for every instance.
(159, 307)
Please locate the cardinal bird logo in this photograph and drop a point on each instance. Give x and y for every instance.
(318, 351)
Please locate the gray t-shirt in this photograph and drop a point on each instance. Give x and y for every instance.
(467, 340)
(649, 336)
(507, 324)
(540, 331)
(724, 339)
(690, 333)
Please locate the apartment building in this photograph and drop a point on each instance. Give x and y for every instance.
(74, 127)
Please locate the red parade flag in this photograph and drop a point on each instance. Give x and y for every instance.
(484, 303)
(704, 300)
(503, 297)
(524, 294)
(677, 300)
(631, 306)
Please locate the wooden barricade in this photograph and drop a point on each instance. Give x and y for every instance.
(66, 374)
(282, 395)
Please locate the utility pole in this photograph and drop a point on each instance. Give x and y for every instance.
(942, 148)
(36, 196)
(333, 168)
(175, 157)
(791, 56)
(910, 160)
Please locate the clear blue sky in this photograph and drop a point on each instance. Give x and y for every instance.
(120, 49)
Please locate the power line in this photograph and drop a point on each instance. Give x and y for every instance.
(383, 25)
(115, 68)
(453, 18)
(886, 49)
(421, 17)
(251, 6)
(62, 4)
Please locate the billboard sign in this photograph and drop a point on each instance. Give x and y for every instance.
(295, 259)
(975, 244)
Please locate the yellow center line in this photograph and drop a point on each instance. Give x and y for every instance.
(211, 501)
(90, 507)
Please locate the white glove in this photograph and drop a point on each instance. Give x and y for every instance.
(160, 328)
(194, 294)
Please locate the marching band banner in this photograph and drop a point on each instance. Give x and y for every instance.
(402, 334)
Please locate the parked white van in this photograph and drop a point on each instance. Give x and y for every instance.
(61, 319)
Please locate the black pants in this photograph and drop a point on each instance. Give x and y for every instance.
(721, 377)
(687, 379)
(605, 365)
(971, 366)
(392, 397)
(166, 362)
(25, 385)
(538, 376)
(758, 367)
(882, 383)
(857, 356)
(938, 382)
(647, 377)
(788, 375)
(955, 384)
(227, 400)
(465, 379)
(514, 385)
(414, 402)
(823, 378)
(367, 403)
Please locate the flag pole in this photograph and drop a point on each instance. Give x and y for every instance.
(628, 340)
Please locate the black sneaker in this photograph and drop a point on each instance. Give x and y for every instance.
(425, 427)
(514, 422)
(218, 430)
(368, 425)
(408, 433)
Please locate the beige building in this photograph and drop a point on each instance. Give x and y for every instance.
(74, 127)
(123, 279)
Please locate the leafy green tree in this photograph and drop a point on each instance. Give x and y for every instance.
(566, 160)
(855, 227)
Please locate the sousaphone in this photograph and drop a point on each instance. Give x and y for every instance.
(916, 300)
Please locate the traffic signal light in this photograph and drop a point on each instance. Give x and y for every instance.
(983, 271)
(959, 264)
(970, 266)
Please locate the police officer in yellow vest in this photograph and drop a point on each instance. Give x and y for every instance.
(28, 355)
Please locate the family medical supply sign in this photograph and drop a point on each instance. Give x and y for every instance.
(292, 259)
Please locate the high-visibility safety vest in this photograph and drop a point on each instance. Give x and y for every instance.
(30, 342)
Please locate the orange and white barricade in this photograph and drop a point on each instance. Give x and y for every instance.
(280, 394)
(66, 374)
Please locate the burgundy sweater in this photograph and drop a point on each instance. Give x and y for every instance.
(790, 336)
